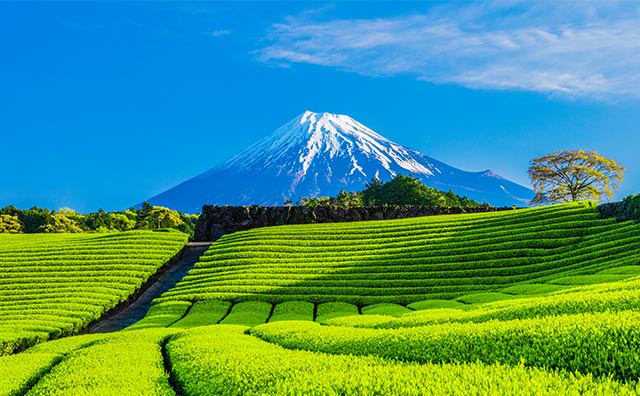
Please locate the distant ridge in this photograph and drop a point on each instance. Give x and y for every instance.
(319, 154)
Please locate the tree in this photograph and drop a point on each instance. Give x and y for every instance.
(59, 223)
(189, 222)
(404, 190)
(143, 214)
(371, 193)
(347, 199)
(314, 202)
(97, 220)
(35, 218)
(120, 222)
(573, 175)
(155, 217)
(401, 190)
(408, 190)
(10, 224)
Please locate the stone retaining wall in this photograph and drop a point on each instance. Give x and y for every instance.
(216, 221)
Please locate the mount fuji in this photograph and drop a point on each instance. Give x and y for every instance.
(318, 154)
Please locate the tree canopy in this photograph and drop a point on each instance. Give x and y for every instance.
(65, 220)
(10, 224)
(573, 175)
(401, 190)
(153, 217)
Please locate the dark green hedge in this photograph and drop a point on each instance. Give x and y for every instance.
(627, 209)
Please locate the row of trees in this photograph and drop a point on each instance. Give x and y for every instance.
(147, 217)
(401, 190)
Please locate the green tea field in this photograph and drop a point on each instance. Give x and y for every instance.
(541, 301)
(469, 257)
(53, 285)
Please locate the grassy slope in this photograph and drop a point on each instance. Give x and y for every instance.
(53, 285)
(470, 257)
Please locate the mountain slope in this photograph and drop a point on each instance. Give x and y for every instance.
(320, 154)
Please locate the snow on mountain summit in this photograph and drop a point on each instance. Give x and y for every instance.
(317, 154)
(312, 135)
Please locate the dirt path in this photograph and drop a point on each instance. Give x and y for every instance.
(133, 312)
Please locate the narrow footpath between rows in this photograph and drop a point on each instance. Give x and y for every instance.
(136, 310)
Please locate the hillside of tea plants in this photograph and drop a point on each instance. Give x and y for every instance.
(53, 285)
(535, 301)
(555, 344)
(471, 257)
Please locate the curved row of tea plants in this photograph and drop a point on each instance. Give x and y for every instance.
(605, 297)
(405, 261)
(223, 360)
(56, 284)
(183, 314)
(602, 344)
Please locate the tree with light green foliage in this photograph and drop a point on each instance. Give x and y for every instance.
(342, 200)
(348, 200)
(121, 221)
(60, 224)
(10, 224)
(573, 175)
(154, 217)
(314, 202)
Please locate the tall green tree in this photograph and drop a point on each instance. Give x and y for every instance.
(572, 175)
(35, 218)
(98, 220)
(142, 215)
(371, 195)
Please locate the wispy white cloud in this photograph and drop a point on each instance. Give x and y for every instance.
(584, 49)
(220, 33)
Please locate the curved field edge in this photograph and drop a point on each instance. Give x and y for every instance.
(602, 344)
(604, 297)
(223, 359)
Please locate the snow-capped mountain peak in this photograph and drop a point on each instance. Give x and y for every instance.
(310, 136)
(319, 154)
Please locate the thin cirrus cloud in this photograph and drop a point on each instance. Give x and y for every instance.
(220, 33)
(574, 50)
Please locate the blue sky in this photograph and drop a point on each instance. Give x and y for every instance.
(103, 105)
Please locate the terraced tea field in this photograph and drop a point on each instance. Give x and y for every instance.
(472, 351)
(472, 257)
(55, 285)
(542, 301)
